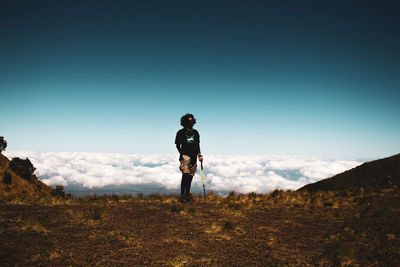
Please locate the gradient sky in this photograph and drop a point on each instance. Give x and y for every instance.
(319, 78)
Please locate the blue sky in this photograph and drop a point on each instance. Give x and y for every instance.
(306, 78)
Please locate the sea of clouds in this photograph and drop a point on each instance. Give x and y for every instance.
(84, 173)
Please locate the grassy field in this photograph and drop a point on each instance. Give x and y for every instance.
(283, 228)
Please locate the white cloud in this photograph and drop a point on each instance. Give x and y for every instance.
(241, 173)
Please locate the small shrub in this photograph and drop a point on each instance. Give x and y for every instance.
(22, 167)
(276, 193)
(7, 178)
(93, 197)
(234, 206)
(59, 191)
(211, 196)
(3, 144)
(126, 197)
(252, 195)
(115, 197)
(93, 214)
(232, 196)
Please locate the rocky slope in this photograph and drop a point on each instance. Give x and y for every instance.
(20, 188)
(377, 174)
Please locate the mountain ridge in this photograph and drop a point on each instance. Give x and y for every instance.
(376, 174)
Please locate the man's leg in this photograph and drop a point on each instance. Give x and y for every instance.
(183, 185)
(192, 171)
(189, 179)
(185, 168)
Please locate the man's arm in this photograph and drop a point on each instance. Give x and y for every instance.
(178, 146)
(198, 148)
(178, 142)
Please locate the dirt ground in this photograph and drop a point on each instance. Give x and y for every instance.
(278, 229)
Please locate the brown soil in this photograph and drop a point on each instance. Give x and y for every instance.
(282, 228)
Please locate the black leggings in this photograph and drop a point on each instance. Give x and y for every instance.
(185, 184)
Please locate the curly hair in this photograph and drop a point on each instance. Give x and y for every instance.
(185, 120)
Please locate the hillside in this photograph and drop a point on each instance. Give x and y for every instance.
(278, 229)
(377, 174)
(20, 188)
(283, 228)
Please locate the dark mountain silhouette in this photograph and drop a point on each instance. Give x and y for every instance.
(13, 186)
(377, 174)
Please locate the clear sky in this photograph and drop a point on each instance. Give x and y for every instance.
(319, 78)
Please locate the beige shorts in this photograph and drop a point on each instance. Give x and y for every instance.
(186, 166)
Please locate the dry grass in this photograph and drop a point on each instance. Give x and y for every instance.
(280, 228)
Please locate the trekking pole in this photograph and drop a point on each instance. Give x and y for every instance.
(204, 187)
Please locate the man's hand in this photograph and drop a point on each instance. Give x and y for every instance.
(200, 157)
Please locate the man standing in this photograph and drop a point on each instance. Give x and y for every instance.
(188, 144)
